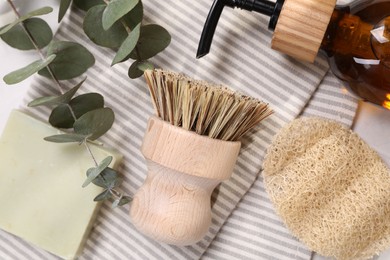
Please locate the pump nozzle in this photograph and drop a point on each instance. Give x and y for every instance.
(261, 6)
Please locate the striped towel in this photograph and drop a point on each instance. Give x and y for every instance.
(244, 224)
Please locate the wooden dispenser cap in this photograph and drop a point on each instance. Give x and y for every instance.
(301, 27)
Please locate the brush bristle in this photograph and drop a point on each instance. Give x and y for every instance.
(207, 109)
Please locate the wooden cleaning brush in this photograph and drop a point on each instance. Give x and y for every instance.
(190, 147)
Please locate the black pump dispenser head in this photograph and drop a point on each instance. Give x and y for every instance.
(261, 6)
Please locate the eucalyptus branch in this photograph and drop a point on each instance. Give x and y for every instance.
(99, 170)
(116, 194)
(17, 14)
(48, 67)
(15, 10)
(121, 29)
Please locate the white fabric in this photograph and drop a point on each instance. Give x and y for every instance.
(241, 59)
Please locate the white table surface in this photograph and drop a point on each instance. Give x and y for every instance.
(372, 122)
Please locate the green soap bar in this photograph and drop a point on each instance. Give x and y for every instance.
(41, 197)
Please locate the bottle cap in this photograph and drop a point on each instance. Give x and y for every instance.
(299, 25)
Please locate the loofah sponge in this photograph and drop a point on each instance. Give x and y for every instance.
(330, 188)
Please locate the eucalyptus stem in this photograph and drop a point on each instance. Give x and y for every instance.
(71, 111)
(115, 193)
(90, 153)
(128, 30)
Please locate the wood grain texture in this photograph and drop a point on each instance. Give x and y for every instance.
(188, 152)
(301, 27)
(173, 204)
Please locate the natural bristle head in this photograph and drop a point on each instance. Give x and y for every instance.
(202, 107)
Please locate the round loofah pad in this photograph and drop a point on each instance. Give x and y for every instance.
(330, 188)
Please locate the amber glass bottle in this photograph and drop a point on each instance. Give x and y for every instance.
(355, 38)
(357, 44)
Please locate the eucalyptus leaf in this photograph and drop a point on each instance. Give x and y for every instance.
(87, 4)
(61, 116)
(72, 60)
(93, 28)
(23, 73)
(124, 200)
(40, 11)
(66, 138)
(64, 6)
(103, 196)
(37, 12)
(145, 65)
(95, 171)
(115, 10)
(55, 100)
(153, 39)
(134, 17)
(40, 31)
(86, 102)
(128, 45)
(95, 123)
(116, 183)
(134, 71)
(48, 100)
(121, 201)
(107, 179)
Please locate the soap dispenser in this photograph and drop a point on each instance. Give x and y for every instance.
(355, 38)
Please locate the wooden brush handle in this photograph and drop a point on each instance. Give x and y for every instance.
(173, 207)
(173, 204)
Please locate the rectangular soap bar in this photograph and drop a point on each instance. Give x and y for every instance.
(41, 197)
